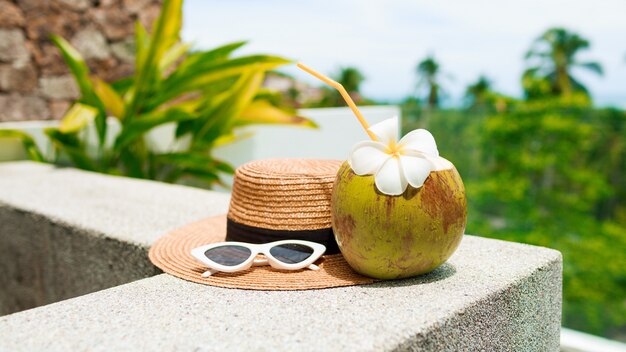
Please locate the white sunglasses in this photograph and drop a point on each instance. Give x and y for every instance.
(237, 256)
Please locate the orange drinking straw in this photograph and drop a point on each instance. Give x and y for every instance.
(343, 93)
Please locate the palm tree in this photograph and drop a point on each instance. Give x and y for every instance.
(478, 93)
(429, 74)
(350, 78)
(552, 57)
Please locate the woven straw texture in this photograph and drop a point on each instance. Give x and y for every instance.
(172, 253)
(284, 194)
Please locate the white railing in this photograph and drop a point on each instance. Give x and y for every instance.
(338, 131)
(576, 341)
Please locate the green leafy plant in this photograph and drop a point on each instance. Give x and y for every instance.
(549, 172)
(206, 94)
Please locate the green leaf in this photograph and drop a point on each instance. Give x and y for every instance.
(198, 78)
(132, 160)
(112, 101)
(77, 118)
(195, 160)
(172, 55)
(221, 119)
(80, 71)
(194, 60)
(139, 126)
(165, 33)
(166, 30)
(206, 176)
(142, 44)
(76, 64)
(231, 138)
(262, 112)
(122, 86)
(69, 144)
(592, 66)
(268, 94)
(203, 113)
(27, 141)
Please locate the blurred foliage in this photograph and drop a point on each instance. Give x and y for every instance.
(206, 95)
(430, 77)
(351, 79)
(548, 172)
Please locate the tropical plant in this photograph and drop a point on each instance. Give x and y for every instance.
(207, 95)
(549, 172)
(429, 75)
(480, 95)
(351, 79)
(478, 92)
(552, 58)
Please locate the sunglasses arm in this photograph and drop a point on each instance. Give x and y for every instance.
(313, 267)
(209, 272)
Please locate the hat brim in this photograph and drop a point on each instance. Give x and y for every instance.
(172, 254)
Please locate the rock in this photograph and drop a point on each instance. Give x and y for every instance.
(58, 108)
(124, 50)
(76, 5)
(10, 15)
(34, 6)
(116, 23)
(110, 69)
(149, 14)
(59, 87)
(41, 24)
(91, 44)
(135, 6)
(49, 59)
(13, 46)
(18, 77)
(109, 3)
(15, 107)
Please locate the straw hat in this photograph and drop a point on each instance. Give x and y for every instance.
(271, 200)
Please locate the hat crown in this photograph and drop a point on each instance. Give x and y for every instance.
(284, 194)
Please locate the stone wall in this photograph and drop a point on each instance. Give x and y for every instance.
(35, 84)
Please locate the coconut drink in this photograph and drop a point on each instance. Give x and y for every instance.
(398, 208)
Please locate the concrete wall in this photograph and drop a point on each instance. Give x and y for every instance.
(45, 261)
(64, 232)
(35, 84)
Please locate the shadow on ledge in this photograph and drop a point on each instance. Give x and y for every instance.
(443, 272)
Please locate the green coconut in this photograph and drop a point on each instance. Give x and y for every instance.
(390, 237)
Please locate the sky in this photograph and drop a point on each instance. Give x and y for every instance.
(386, 39)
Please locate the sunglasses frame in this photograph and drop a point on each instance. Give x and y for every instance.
(256, 249)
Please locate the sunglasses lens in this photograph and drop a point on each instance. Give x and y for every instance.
(291, 253)
(228, 255)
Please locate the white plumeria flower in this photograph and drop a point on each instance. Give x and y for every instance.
(396, 164)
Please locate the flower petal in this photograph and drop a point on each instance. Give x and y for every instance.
(390, 179)
(420, 140)
(386, 131)
(416, 169)
(367, 157)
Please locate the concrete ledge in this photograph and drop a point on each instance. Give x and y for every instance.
(64, 232)
(491, 295)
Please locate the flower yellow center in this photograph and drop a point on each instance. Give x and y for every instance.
(394, 149)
